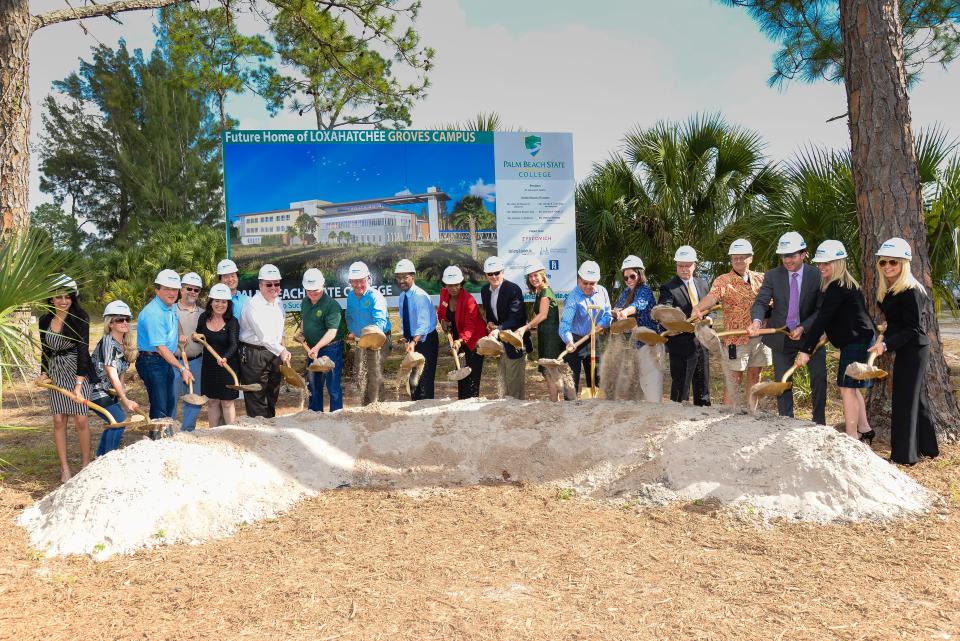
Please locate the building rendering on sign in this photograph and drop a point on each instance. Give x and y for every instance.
(374, 221)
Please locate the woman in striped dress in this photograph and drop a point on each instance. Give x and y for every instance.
(65, 359)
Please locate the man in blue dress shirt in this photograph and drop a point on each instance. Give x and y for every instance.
(157, 340)
(419, 319)
(367, 306)
(580, 306)
(228, 273)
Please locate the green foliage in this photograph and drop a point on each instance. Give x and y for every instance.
(812, 48)
(337, 74)
(30, 268)
(128, 274)
(131, 145)
(676, 183)
(59, 227)
(471, 208)
(483, 121)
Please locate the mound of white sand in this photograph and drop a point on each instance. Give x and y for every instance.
(203, 485)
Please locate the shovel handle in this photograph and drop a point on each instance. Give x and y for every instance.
(456, 356)
(873, 355)
(183, 357)
(580, 341)
(706, 311)
(203, 341)
(80, 400)
(787, 374)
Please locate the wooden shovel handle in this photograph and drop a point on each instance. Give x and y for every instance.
(203, 341)
(873, 355)
(580, 341)
(456, 357)
(79, 399)
(787, 374)
(706, 311)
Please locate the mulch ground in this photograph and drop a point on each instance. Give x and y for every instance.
(489, 562)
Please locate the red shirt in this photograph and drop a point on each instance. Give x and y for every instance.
(469, 323)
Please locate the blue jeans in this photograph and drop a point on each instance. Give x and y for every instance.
(157, 377)
(111, 437)
(316, 380)
(190, 412)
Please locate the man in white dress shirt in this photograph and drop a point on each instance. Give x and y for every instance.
(261, 344)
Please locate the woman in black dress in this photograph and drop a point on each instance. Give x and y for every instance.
(843, 315)
(65, 359)
(222, 332)
(901, 299)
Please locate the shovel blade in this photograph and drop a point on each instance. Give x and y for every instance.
(459, 374)
(194, 399)
(771, 388)
(864, 372)
(250, 387)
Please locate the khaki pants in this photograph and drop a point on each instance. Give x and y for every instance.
(651, 372)
(511, 372)
(373, 389)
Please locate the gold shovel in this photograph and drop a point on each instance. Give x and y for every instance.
(688, 325)
(322, 364)
(776, 388)
(868, 371)
(191, 398)
(592, 392)
(249, 387)
(136, 421)
(461, 372)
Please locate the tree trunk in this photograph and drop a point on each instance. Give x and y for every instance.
(473, 237)
(15, 31)
(887, 180)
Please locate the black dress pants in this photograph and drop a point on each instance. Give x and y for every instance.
(260, 365)
(690, 370)
(428, 346)
(912, 434)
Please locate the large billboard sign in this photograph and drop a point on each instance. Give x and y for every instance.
(314, 198)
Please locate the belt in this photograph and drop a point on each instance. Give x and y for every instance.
(193, 358)
(150, 354)
(251, 346)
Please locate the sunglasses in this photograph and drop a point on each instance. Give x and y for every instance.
(121, 320)
(884, 262)
(631, 277)
(192, 290)
(274, 285)
(495, 273)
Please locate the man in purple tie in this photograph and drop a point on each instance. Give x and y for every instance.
(790, 295)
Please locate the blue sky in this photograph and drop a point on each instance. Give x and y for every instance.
(271, 176)
(597, 70)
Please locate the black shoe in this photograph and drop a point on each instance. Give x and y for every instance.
(867, 436)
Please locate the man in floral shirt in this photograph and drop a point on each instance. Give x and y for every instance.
(736, 291)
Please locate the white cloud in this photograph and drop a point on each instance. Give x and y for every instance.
(484, 191)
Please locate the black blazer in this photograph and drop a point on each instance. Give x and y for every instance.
(776, 288)
(905, 319)
(674, 292)
(511, 313)
(843, 315)
(76, 328)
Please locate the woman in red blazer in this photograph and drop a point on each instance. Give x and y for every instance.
(459, 314)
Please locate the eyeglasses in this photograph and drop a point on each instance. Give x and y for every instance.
(495, 273)
(275, 285)
(120, 320)
(884, 262)
(192, 290)
(588, 283)
(631, 277)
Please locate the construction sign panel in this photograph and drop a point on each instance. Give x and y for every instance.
(312, 198)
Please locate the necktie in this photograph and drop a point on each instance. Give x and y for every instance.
(793, 309)
(692, 292)
(405, 313)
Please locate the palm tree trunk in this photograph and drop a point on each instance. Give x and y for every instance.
(472, 223)
(886, 177)
(14, 114)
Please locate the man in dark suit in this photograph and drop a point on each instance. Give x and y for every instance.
(689, 360)
(794, 290)
(504, 309)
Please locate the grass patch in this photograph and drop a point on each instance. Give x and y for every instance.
(29, 462)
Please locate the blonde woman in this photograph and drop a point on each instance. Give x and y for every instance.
(843, 315)
(546, 313)
(111, 359)
(901, 299)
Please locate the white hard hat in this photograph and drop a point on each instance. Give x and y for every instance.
(357, 270)
(192, 278)
(452, 275)
(117, 308)
(404, 266)
(631, 262)
(589, 271)
(65, 282)
(533, 267)
(269, 272)
(493, 265)
(685, 254)
(895, 248)
(220, 292)
(226, 266)
(741, 247)
(313, 279)
(791, 242)
(168, 278)
(830, 250)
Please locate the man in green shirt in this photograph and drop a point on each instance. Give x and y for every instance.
(323, 331)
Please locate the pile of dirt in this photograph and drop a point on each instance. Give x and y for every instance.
(205, 484)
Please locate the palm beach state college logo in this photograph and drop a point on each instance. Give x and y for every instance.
(533, 144)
